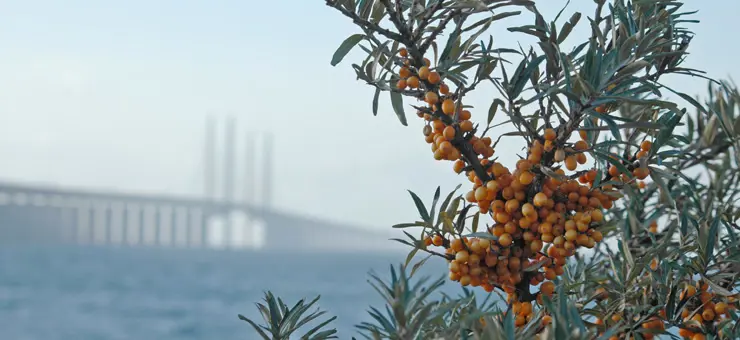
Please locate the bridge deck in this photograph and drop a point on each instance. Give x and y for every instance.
(283, 229)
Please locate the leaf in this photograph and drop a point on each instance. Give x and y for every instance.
(610, 122)
(717, 288)
(418, 265)
(711, 240)
(484, 235)
(568, 27)
(494, 107)
(449, 46)
(476, 218)
(420, 206)
(397, 103)
(375, 101)
(410, 256)
(627, 252)
(520, 79)
(446, 202)
(432, 213)
(254, 325)
(504, 15)
(407, 225)
(345, 47)
(622, 169)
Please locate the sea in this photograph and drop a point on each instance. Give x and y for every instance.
(107, 293)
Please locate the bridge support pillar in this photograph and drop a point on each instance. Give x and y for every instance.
(91, 224)
(124, 224)
(140, 226)
(204, 221)
(173, 227)
(157, 227)
(108, 227)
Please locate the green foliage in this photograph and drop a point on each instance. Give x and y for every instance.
(678, 232)
(282, 321)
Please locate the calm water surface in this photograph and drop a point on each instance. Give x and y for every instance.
(50, 293)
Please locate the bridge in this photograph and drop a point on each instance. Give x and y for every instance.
(53, 214)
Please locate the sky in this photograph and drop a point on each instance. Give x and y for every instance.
(114, 95)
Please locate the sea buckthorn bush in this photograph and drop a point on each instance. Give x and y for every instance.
(618, 219)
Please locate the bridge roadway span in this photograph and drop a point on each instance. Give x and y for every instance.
(50, 214)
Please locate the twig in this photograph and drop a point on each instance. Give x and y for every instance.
(365, 23)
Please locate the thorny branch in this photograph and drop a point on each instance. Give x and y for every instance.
(365, 23)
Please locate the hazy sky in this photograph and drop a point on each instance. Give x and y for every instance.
(114, 94)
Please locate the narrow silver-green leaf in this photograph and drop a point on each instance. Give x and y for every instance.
(345, 47)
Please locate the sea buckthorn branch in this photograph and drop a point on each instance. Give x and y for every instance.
(541, 215)
(438, 30)
(364, 23)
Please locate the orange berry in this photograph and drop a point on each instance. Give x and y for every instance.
(583, 134)
(540, 199)
(448, 106)
(526, 178)
(685, 333)
(690, 291)
(413, 82)
(571, 235)
(427, 62)
(481, 193)
(462, 256)
(708, 315)
(641, 173)
(570, 163)
(547, 288)
(559, 155)
(403, 52)
(465, 280)
(646, 145)
(448, 132)
(720, 308)
(597, 216)
(437, 240)
(424, 72)
(698, 336)
(653, 228)
(550, 134)
(505, 240)
(528, 209)
(431, 98)
(401, 84)
(502, 217)
(443, 89)
(466, 126)
(427, 241)
(546, 320)
(581, 158)
(464, 115)
(404, 72)
(580, 145)
(434, 78)
(512, 206)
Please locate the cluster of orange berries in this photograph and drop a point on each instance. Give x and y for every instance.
(703, 310)
(540, 218)
(531, 211)
(524, 313)
(439, 99)
(655, 324)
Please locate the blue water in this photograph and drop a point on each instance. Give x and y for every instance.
(50, 293)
